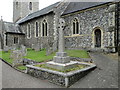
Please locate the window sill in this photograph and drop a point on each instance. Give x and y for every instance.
(28, 38)
(75, 35)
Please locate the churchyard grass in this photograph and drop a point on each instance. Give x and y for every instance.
(78, 53)
(40, 56)
(6, 56)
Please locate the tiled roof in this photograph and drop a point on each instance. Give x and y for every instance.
(12, 28)
(77, 6)
(39, 13)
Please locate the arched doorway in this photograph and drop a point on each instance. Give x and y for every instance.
(97, 34)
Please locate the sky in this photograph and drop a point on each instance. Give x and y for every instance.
(6, 8)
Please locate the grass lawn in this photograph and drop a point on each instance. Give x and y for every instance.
(40, 56)
(6, 56)
(78, 53)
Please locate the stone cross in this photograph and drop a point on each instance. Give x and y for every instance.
(61, 61)
(61, 35)
(61, 56)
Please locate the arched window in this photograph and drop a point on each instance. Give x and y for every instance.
(44, 28)
(75, 25)
(28, 31)
(30, 5)
(36, 29)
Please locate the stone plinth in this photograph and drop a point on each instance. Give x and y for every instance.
(61, 57)
(61, 66)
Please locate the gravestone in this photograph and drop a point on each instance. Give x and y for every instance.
(13, 47)
(23, 50)
(36, 47)
(17, 57)
(61, 61)
(49, 48)
(6, 49)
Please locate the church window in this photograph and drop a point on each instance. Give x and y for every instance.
(75, 25)
(28, 31)
(44, 28)
(36, 29)
(30, 5)
(15, 40)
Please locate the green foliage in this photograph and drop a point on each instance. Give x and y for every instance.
(78, 67)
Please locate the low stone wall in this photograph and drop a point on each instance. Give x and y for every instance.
(59, 78)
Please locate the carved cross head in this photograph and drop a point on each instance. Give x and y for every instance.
(61, 23)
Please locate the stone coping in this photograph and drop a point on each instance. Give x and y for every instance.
(60, 64)
(90, 66)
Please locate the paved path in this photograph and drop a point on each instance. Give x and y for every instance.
(14, 79)
(105, 76)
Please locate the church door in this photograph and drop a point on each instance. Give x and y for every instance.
(97, 38)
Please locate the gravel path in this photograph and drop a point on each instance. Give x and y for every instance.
(105, 76)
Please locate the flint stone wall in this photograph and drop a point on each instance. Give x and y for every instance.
(10, 40)
(59, 78)
(88, 21)
(42, 41)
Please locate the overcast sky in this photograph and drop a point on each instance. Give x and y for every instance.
(6, 8)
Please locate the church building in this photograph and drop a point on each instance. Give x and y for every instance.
(88, 25)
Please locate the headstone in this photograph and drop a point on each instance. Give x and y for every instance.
(36, 47)
(49, 48)
(17, 57)
(33, 46)
(23, 50)
(13, 47)
(6, 48)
